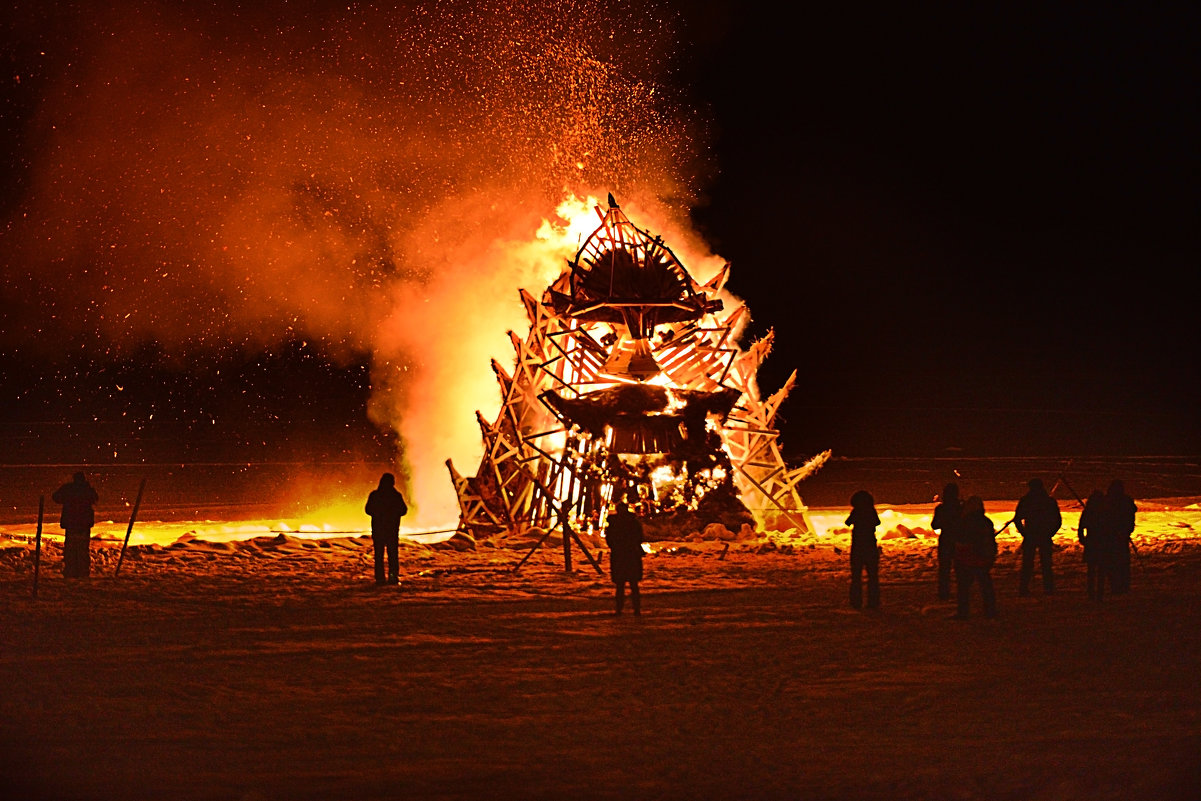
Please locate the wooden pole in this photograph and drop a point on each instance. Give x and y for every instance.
(1064, 480)
(530, 553)
(132, 516)
(37, 548)
(584, 549)
(564, 509)
(566, 547)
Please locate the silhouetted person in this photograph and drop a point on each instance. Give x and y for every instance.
(1118, 520)
(1037, 518)
(865, 553)
(947, 516)
(624, 536)
(386, 506)
(1098, 547)
(78, 516)
(975, 552)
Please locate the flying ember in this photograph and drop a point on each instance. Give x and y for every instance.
(630, 380)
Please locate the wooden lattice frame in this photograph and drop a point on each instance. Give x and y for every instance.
(524, 446)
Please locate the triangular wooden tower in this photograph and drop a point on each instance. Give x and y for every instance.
(625, 321)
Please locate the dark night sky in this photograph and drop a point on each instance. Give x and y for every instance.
(969, 227)
(984, 217)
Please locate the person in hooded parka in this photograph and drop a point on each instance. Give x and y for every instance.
(865, 551)
(386, 506)
(1037, 518)
(623, 533)
(1098, 545)
(975, 554)
(948, 514)
(1118, 515)
(78, 499)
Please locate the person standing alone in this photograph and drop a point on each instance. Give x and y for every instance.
(78, 516)
(623, 533)
(865, 552)
(386, 506)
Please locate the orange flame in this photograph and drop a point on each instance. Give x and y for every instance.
(459, 322)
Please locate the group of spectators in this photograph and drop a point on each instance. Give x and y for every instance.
(967, 544)
(967, 541)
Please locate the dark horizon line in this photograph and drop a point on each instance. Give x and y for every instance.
(834, 457)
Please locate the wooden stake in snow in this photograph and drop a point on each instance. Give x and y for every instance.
(132, 516)
(37, 548)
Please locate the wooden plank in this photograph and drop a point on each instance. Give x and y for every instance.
(37, 548)
(133, 515)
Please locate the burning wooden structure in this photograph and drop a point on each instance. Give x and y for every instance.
(629, 380)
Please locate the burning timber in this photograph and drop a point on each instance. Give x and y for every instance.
(630, 382)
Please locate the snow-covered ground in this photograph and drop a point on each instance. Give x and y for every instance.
(231, 661)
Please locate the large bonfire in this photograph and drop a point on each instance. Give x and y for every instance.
(630, 382)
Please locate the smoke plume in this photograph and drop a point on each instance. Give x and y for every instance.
(227, 178)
